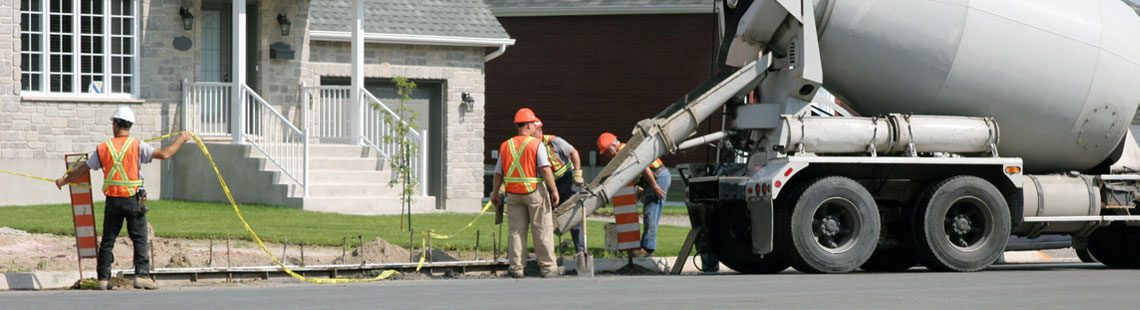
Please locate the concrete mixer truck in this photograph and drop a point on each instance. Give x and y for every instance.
(970, 121)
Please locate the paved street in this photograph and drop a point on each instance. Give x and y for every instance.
(1046, 286)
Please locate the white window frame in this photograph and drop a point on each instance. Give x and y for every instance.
(78, 91)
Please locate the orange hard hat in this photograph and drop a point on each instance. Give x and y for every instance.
(605, 140)
(525, 115)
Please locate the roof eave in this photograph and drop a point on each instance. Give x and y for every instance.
(410, 39)
(603, 10)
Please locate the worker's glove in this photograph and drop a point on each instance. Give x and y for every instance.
(578, 179)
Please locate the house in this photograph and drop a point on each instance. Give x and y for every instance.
(277, 88)
(588, 66)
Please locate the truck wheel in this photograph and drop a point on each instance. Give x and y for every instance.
(829, 226)
(730, 232)
(1086, 256)
(960, 224)
(1116, 246)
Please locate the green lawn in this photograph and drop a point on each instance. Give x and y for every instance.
(177, 219)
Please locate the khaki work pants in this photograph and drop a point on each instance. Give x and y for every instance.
(530, 210)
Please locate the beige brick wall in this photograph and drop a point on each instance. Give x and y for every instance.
(461, 68)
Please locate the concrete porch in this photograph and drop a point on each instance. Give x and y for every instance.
(343, 178)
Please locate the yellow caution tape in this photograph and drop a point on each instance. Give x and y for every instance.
(202, 146)
(253, 234)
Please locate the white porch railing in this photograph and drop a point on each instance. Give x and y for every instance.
(329, 106)
(206, 107)
(283, 144)
(330, 109)
(206, 110)
(376, 128)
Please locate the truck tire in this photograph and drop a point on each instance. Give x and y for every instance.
(730, 234)
(960, 224)
(831, 225)
(1086, 256)
(1116, 246)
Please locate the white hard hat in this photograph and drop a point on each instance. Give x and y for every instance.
(124, 113)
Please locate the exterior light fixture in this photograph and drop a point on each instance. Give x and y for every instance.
(187, 19)
(468, 103)
(285, 24)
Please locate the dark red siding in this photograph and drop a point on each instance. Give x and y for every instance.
(587, 74)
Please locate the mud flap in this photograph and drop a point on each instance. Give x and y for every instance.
(762, 214)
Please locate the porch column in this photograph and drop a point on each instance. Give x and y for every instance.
(357, 130)
(237, 105)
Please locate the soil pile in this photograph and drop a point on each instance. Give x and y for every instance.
(379, 251)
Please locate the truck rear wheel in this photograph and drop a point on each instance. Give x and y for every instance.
(829, 226)
(731, 240)
(1116, 246)
(960, 224)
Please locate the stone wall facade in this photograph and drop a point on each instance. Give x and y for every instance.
(46, 128)
(459, 68)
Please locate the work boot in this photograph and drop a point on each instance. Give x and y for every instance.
(639, 252)
(551, 274)
(516, 274)
(104, 285)
(145, 283)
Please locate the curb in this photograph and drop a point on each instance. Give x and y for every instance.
(37, 280)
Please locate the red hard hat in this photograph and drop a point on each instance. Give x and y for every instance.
(525, 115)
(605, 140)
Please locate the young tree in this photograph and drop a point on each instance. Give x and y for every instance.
(403, 124)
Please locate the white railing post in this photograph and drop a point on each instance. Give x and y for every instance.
(424, 162)
(357, 131)
(237, 105)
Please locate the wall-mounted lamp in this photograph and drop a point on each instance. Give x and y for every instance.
(468, 103)
(187, 19)
(285, 24)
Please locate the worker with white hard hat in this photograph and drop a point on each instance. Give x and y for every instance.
(121, 159)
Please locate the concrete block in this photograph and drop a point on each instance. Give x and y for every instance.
(37, 280)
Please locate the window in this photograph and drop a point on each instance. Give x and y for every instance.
(78, 47)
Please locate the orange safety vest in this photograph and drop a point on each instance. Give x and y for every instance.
(556, 162)
(120, 160)
(519, 157)
(654, 165)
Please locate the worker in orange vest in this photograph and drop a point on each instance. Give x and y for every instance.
(654, 182)
(524, 170)
(567, 167)
(121, 159)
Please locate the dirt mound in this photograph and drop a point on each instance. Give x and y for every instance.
(178, 260)
(437, 255)
(379, 251)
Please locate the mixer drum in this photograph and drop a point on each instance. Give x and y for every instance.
(1062, 78)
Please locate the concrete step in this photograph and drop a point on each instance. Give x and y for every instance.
(351, 190)
(367, 205)
(342, 151)
(345, 164)
(338, 176)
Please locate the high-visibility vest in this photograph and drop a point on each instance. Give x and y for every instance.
(120, 159)
(657, 163)
(520, 158)
(560, 167)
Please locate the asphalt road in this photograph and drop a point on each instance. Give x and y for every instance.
(1047, 286)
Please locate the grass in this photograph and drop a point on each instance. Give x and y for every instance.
(196, 220)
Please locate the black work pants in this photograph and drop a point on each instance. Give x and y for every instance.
(115, 211)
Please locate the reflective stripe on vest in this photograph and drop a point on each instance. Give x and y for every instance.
(560, 167)
(520, 179)
(117, 182)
